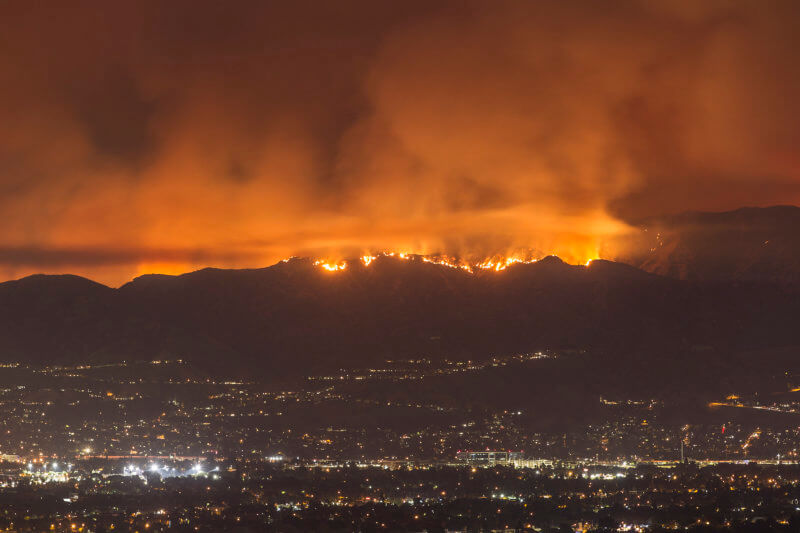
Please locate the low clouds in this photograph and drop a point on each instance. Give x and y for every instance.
(249, 132)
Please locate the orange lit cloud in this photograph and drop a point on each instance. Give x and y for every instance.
(146, 136)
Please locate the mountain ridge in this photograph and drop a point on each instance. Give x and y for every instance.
(745, 244)
(749, 243)
(293, 317)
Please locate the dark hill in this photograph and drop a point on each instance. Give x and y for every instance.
(294, 317)
(755, 244)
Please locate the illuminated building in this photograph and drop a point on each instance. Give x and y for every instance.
(488, 458)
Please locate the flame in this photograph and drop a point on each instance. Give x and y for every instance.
(494, 263)
(331, 266)
(448, 262)
(498, 264)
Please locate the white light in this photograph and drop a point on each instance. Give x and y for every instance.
(154, 467)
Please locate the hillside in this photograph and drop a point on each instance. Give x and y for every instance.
(752, 244)
(293, 317)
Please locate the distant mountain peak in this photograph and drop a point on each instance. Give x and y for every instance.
(749, 244)
(54, 282)
(551, 259)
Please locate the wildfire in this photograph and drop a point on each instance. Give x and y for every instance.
(495, 263)
(501, 264)
(331, 266)
(448, 262)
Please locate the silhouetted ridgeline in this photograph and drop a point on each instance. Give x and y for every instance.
(749, 244)
(294, 317)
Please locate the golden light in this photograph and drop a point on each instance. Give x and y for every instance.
(331, 266)
(501, 263)
(496, 263)
(164, 267)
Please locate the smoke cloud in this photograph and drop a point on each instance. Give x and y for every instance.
(152, 136)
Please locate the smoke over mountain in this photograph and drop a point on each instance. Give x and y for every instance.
(148, 136)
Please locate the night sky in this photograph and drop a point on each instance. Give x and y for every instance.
(167, 136)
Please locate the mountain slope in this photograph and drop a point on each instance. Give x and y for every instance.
(755, 244)
(293, 317)
(53, 317)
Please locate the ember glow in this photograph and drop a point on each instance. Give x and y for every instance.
(495, 263)
(499, 264)
(331, 266)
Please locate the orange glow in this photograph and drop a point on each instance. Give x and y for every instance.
(331, 266)
(448, 262)
(494, 263)
(172, 269)
(498, 264)
(143, 149)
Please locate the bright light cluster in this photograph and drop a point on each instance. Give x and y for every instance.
(494, 263)
(451, 263)
(502, 264)
(331, 266)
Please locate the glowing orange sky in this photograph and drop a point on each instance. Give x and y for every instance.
(152, 136)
